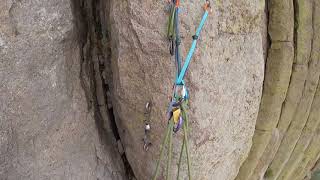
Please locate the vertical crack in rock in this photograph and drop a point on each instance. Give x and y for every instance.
(13, 23)
(305, 127)
(277, 77)
(285, 140)
(268, 41)
(314, 173)
(300, 93)
(96, 72)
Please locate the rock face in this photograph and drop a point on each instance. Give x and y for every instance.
(47, 130)
(286, 141)
(225, 81)
(316, 171)
(76, 75)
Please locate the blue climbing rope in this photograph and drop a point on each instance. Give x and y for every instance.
(180, 78)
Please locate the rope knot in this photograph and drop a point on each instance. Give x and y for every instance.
(195, 37)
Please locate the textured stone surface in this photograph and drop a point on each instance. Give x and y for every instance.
(64, 71)
(224, 104)
(316, 171)
(46, 128)
(310, 99)
(311, 154)
(266, 158)
(294, 110)
(305, 138)
(304, 80)
(277, 77)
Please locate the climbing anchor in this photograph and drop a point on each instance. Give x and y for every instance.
(177, 109)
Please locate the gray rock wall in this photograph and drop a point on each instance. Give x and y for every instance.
(76, 75)
(47, 130)
(225, 81)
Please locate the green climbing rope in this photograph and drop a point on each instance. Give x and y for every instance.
(184, 143)
(185, 130)
(170, 149)
(161, 152)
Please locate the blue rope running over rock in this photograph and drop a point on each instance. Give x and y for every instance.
(177, 109)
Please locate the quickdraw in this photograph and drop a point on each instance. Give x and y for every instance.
(146, 139)
(171, 30)
(177, 108)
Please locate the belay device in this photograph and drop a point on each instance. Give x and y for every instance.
(176, 112)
